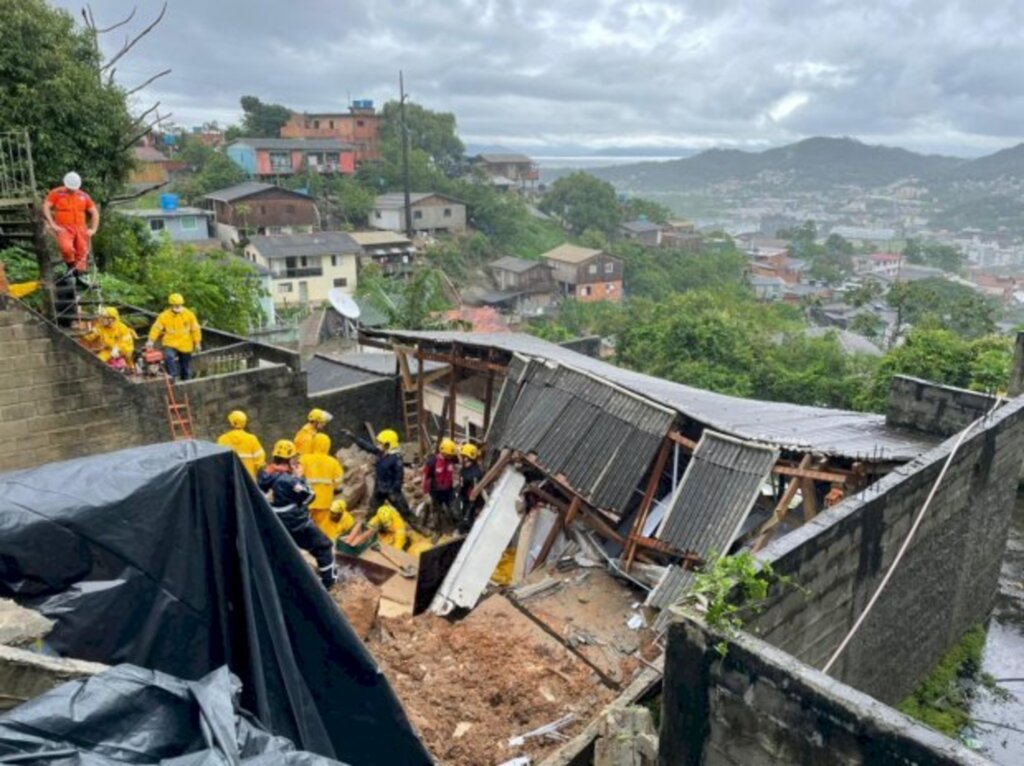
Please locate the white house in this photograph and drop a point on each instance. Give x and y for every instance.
(431, 212)
(304, 268)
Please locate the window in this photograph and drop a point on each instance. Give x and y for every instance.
(334, 260)
(360, 123)
(189, 223)
(156, 224)
(331, 123)
(263, 209)
(284, 287)
(417, 214)
(280, 162)
(592, 268)
(609, 268)
(447, 212)
(609, 287)
(585, 291)
(303, 261)
(341, 282)
(316, 123)
(377, 215)
(331, 158)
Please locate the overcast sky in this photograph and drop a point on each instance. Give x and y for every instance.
(929, 75)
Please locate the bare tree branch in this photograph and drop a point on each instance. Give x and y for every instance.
(148, 82)
(129, 44)
(141, 118)
(136, 195)
(112, 27)
(145, 130)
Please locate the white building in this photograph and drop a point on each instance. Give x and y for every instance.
(304, 268)
(431, 212)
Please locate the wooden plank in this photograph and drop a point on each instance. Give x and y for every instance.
(556, 530)
(682, 441)
(421, 425)
(645, 504)
(488, 398)
(492, 475)
(408, 384)
(453, 394)
(809, 473)
(810, 498)
(764, 533)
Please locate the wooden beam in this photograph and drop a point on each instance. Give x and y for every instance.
(488, 397)
(810, 499)
(453, 395)
(800, 472)
(492, 475)
(468, 364)
(764, 533)
(421, 421)
(549, 542)
(408, 384)
(645, 504)
(682, 441)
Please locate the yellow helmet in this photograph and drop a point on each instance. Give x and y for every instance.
(389, 438)
(237, 419)
(469, 450)
(284, 449)
(320, 417)
(339, 506)
(110, 312)
(321, 444)
(175, 299)
(448, 447)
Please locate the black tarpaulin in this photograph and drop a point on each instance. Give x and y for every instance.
(169, 558)
(131, 715)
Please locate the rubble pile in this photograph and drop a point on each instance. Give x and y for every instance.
(358, 600)
(470, 686)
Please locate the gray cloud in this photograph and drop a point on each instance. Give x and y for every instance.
(597, 73)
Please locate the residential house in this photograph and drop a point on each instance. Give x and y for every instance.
(886, 264)
(431, 212)
(254, 208)
(359, 127)
(643, 231)
(181, 224)
(393, 253)
(682, 235)
(767, 288)
(789, 270)
(526, 287)
(586, 274)
(519, 169)
(304, 268)
(151, 167)
(268, 158)
(862, 235)
(761, 247)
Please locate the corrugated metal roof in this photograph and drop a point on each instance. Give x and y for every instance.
(790, 426)
(716, 494)
(600, 438)
(670, 590)
(295, 144)
(296, 245)
(248, 189)
(516, 265)
(571, 254)
(326, 374)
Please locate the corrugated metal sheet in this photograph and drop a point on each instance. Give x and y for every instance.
(600, 438)
(670, 587)
(789, 426)
(324, 374)
(716, 494)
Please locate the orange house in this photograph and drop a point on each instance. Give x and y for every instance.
(585, 274)
(266, 158)
(359, 126)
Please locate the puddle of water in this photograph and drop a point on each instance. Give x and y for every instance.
(1004, 657)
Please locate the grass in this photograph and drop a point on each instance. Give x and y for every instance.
(942, 700)
(536, 237)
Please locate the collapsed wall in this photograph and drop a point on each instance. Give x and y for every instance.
(58, 401)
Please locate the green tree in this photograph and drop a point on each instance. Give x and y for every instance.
(263, 120)
(409, 304)
(51, 87)
(637, 207)
(125, 246)
(584, 202)
(948, 304)
(219, 172)
(433, 134)
(945, 257)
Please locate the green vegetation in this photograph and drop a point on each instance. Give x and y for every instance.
(583, 202)
(944, 257)
(76, 119)
(939, 301)
(413, 303)
(942, 700)
(262, 120)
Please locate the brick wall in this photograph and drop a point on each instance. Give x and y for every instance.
(945, 583)
(57, 401)
(757, 706)
(942, 410)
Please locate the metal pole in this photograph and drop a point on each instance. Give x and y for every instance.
(405, 156)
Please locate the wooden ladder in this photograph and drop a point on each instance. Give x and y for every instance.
(179, 414)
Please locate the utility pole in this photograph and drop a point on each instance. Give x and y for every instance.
(405, 156)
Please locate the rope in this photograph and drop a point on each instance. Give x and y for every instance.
(906, 541)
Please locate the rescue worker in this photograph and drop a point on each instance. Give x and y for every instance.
(65, 210)
(323, 473)
(387, 523)
(339, 520)
(389, 470)
(290, 496)
(317, 421)
(243, 443)
(115, 338)
(439, 483)
(469, 476)
(178, 331)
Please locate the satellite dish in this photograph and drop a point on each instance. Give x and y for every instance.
(343, 303)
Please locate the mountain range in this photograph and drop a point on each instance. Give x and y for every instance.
(810, 164)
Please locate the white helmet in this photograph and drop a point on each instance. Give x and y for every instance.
(73, 181)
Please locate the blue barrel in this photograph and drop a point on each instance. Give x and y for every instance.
(168, 201)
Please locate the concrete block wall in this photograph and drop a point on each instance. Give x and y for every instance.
(57, 401)
(945, 583)
(941, 410)
(758, 706)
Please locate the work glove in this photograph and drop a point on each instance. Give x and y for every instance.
(149, 344)
(115, 353)
(199, 347)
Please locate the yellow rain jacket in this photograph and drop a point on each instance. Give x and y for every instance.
(333, 529)
(304, 439)
(247, 447)
(322, 472)
(180, 331)
(118, 335)
(391, 526)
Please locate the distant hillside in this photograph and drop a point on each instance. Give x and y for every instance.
(1007, 163)
(812, 163)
